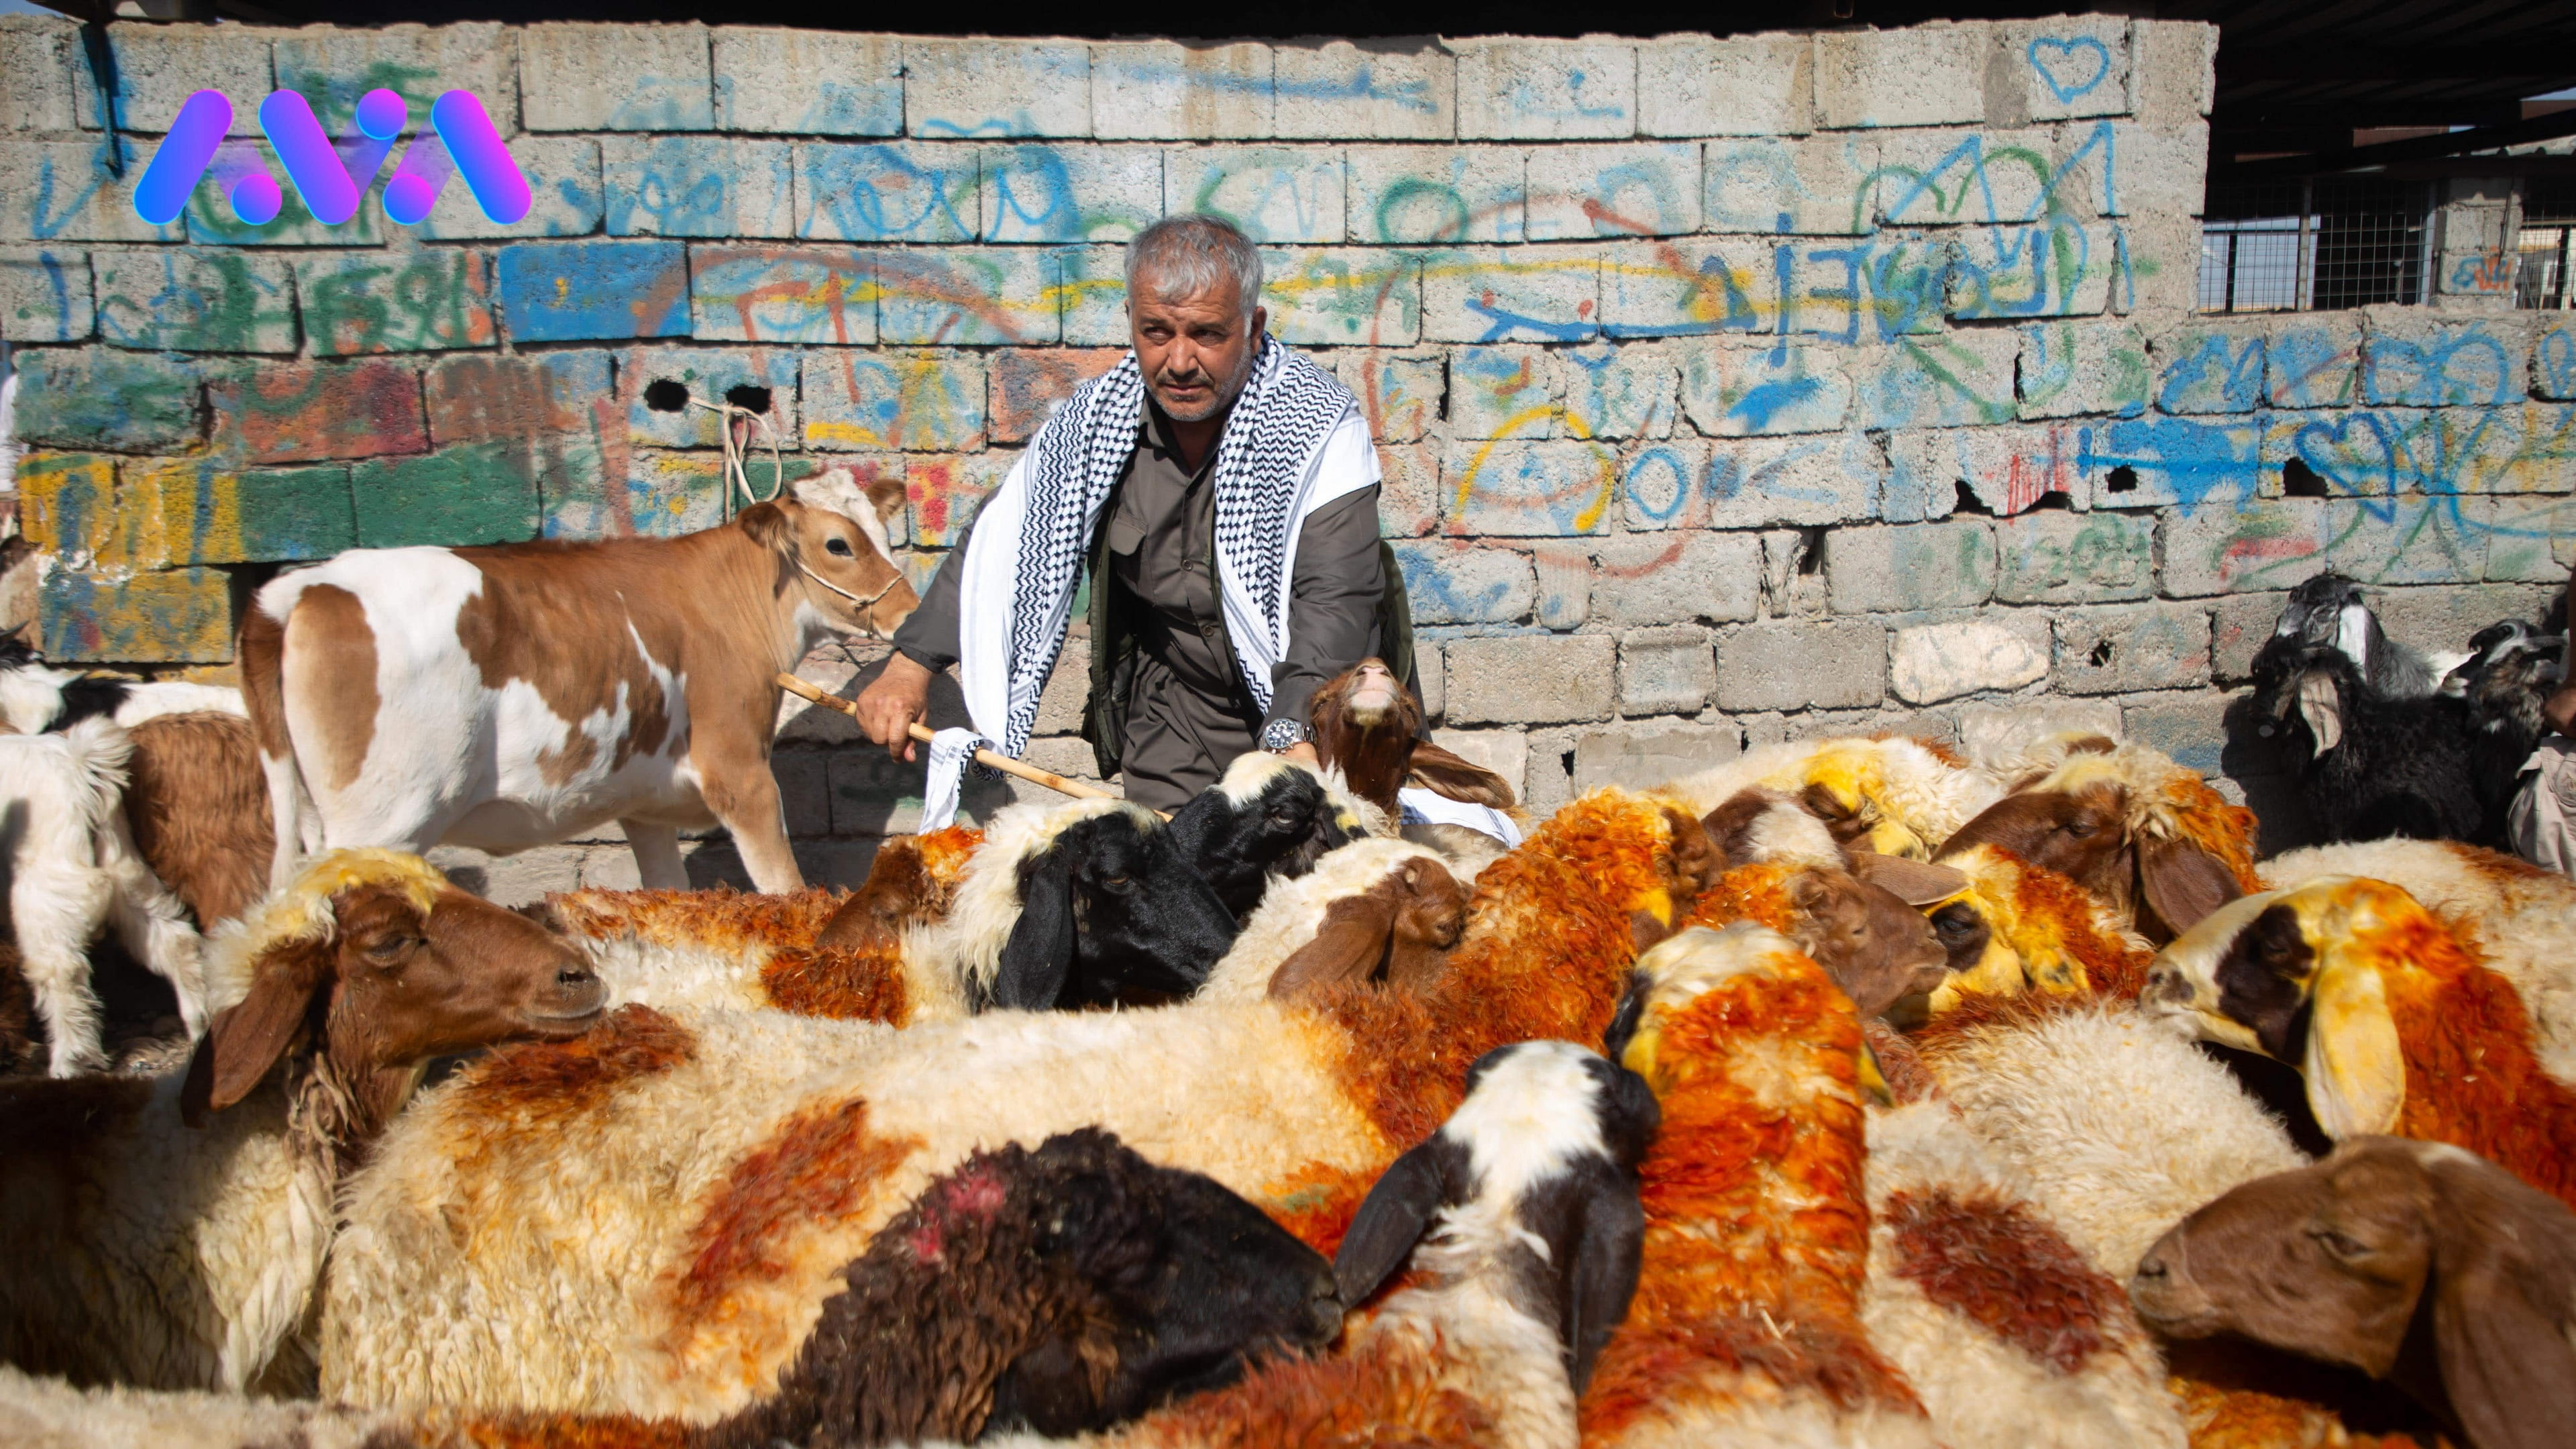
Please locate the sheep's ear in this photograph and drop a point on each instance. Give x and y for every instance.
(1624, 1021)
(2507, 1366)
(1353, 940)
(2355, 1069)
(1915, 882)
(2183, 882)
(1605, 1271)
(1039, 954)
(246, 1039)
(1446, 773)
(1397, 1213)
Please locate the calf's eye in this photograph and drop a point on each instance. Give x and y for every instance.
(839, 547)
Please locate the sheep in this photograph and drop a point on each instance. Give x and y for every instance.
(2326, 610)
(484, 1264)
(35, 697)
(73, 872)
(48, 1413)
(911, 882)
(197, 805)
(2017, 927)
(2383, 1243)
(1874, 945)
(1386, 910)
(2370, 765)
(183, 1221)
(2394, 1025)
(2146, 836)
(1265, 815)
(1892, 795)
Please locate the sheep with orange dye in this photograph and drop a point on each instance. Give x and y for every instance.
(2015, 927)
(184, 1221)
(728, 1167)
(1889, 794)
(2395, 1026)
(1385, 911)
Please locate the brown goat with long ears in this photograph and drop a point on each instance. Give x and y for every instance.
(198, 806)
(1366, 724)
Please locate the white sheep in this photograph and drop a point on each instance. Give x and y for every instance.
(1895, 796)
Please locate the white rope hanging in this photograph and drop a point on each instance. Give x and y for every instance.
(736, 476)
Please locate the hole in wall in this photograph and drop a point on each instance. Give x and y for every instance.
(1567, 760)
(2053, 499)
(744, 395)
(2123, 479)
(2298, 480)
(2101, 654)
(663, 395)
(1811, 551)
(1966, 501)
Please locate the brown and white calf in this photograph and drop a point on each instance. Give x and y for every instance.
(510, 696)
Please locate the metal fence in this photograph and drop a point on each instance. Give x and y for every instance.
(2328, 242)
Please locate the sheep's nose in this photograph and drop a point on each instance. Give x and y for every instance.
(575, 976)
(2152, 1271)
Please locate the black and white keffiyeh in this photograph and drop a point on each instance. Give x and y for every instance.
(1031, 537)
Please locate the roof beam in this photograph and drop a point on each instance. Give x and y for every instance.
(2423, 148)
(2544, 59)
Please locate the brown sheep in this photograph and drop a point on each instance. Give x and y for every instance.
(198, 807)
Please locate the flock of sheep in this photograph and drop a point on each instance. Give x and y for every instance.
(1851, 1092)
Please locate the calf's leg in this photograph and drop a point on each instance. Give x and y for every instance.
(744, 795)
(657, 855)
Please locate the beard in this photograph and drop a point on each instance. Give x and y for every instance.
(1221, 393)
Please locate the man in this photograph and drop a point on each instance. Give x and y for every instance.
(1222, 491)
(2542, 816)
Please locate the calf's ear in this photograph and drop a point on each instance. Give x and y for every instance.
(245, 1039)
(767, 523)
(1038, 957)
(2354, 1067)
(886, 494)
(1915, 882)
(2181, 883)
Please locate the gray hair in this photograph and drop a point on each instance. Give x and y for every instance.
(1193, 253)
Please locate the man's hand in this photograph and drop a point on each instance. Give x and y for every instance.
(1303, 752)
(889, 708)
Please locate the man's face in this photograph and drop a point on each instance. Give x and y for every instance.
(1195, 350)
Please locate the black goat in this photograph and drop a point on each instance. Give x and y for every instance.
(1108, 908)
(2371, 766)
(2327, 609)
(1268, 816)
(2505, 680)
(1058, 1291)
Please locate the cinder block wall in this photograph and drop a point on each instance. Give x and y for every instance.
(1727, 390)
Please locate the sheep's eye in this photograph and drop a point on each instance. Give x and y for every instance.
(2341, 1245)
(1118, 882)
(2078, 828)
(838, 547)
(391, 949)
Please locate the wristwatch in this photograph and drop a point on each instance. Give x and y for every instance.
(1282, 735)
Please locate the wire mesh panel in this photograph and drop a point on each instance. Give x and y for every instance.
(2548, 227)
(2302, 245)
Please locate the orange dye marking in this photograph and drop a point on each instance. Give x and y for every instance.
(1996, 1263)
(720, 920)
(1390, 1393)
(1756, 893)
(862, 984)
(543, 1082)
(2206, 819)
(1317, 1203)
(2043, 900)
(1900, 1064)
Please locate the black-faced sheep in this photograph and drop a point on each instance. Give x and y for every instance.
(2361, 1258)
(2371, 765)
(2505, 681)
(2326, 610)
(333, 997)
(36, 697)
(1266, 816)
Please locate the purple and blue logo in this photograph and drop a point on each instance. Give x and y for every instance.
(464, 141)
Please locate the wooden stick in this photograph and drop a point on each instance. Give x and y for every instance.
(806, 689)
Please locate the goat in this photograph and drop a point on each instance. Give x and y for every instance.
(197, 805)
(2371, 765)
(793, 1136)
(1367, 729)
(74, 872)
(36, 697)
(1266, 815)
(1892, 795)
(2145, 836)
(1374, 910)
(333, 995)
(2394, 1025)
(2505, 681)
(2326, 610)
(2349, 1259)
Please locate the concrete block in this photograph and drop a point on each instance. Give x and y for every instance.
(1529, 679)
(194, 301)
(2005, 470)
(1408, 490)
(1505, 752)
(713, 186)
(2070, 369)
(2410, 360)
(1433, 677)
(1793, 574)
(1665, 671)
(2058, 68)
(423, 301)
(210, 222)
(2173, 69)
(2485, 273)
(1641, 188)
(2526, 539)
(2258, 545)
(307, 412)
(66, 505)
(1798, 664)
(1514, 294)
(2553, 358)
(332, 67)
(2209, 368)
(650, 494)
(1276, 194)
(1957, 380)
(621, 77)
(1688, 289)
(1387, 91)
(921, 402)
(1999, 732)
(2412, 541)
(1522, 489)
(2124, 648)
(159, 66)
(2163, 172)
(1741, 391)
(61, 191)
(812, 294)
(1810, 186)
(1067, 692)
(1046, 193)
(2162, 461)
(1452, 194)
(577, 291)
(565, 199)
(807, 82)
(986, 87)
(985, 296)
(2054, 557)
(2005, 178)
(1092, 285)
(461, 495)
(1739, 85)
(1617, 391)
(2045, 269)
(2191, 728)
(894, 192)
(45, 295)
(1455, 583)
(513, 880)
(1546, 90)
(1644, 756)
(1028, 384)
(1676, 578)
(1342, 296)
(1165, 91)
(93, 398)
(944, 492)
(1759, 482)
(197, 511)
(2155, 265)
(45, 68)
(2313, 362)
(1504, 392)
(1402, 395)
(1928, 663)
(657, 417)
(2443, 618)
(176, 616)
(485, 398)
(1923, 75)
(2241, 624)
(1916, 566)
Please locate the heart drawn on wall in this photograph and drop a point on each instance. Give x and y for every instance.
(2070, 67)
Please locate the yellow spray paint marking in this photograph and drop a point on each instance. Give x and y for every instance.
(1584, 520)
